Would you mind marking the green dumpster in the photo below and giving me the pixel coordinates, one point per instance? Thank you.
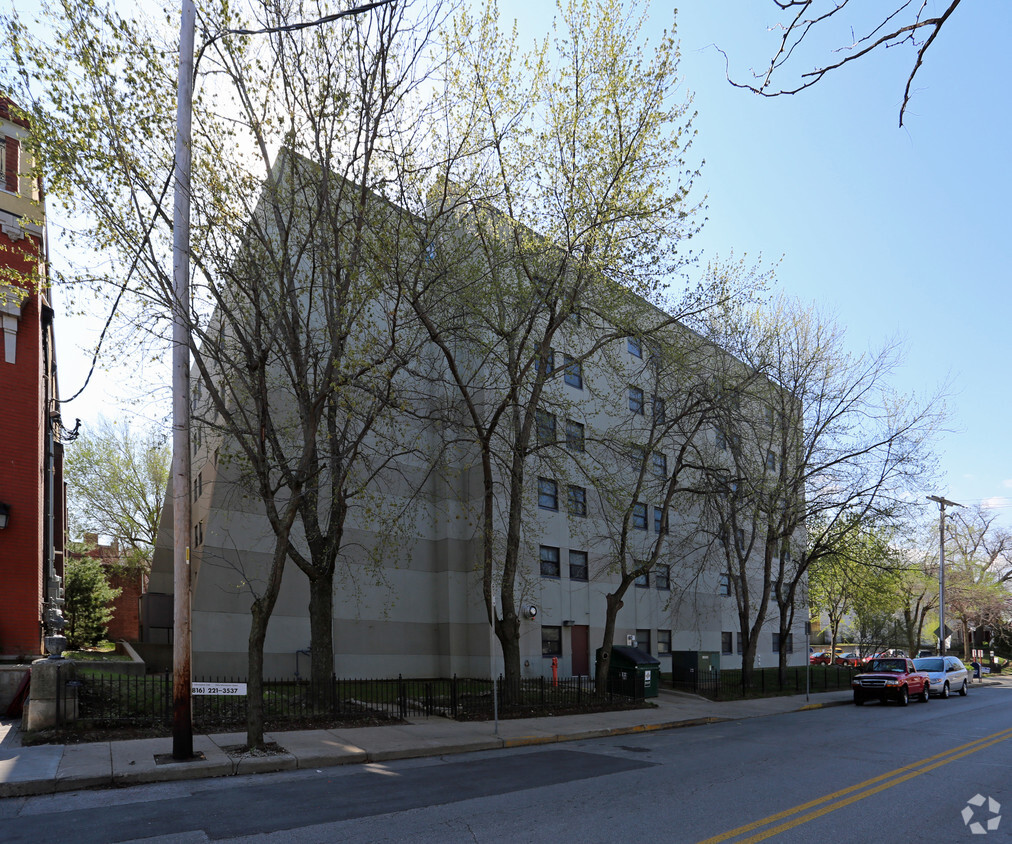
(632, 672)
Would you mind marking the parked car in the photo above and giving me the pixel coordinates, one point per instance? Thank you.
(891, 678)
(851, 659)
(947, 674)
(821, 658)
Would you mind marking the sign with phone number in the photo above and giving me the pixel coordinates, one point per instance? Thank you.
(218, 688)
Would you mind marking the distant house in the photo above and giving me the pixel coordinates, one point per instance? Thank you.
(32, 501)
(131, 580)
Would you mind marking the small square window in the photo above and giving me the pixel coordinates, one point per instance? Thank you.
(771, 461)
(643, 581)
(724, 588)
(785, 554)
(639, 515)
(739, 539)
(635, 346)
(549, 561)
(660, 526)
(726, 642)
(663, 642)
(637, 454)
(636, 400)
(658, 405)
(574, 372)
(578, 565)
(546, 362)
(659, 464)
(198, 534)
(545, 423)
(548, 494)
(768, 412)
(577, 501)
(662, 576)
(551, 641)
(574, 435)
(721, 440)
(741, 643)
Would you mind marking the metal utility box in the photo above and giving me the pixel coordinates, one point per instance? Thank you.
(632, 672)
(694, 666)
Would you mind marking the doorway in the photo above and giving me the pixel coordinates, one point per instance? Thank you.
(581, 650)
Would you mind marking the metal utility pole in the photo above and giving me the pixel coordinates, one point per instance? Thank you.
(942, 504)
(182, 720)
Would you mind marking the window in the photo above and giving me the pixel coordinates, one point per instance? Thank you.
(790, 643)
(643, 580)
(11, 165)
(198, 534)
(548, 494)
(574, 372)
(635, 346)
(639, 516)
(198, 486)
(785, 554)
(739, 539)
(636, 400)
(741, 643)
(577, 501)
(637, 454)
(546, 362)
(551, 641)
(578, 565)
(769, 416)
(574, 435)
(662, 577)
(659, 464)
(663, 642)
(771, 461)
(545, 424)
(549, 561)
(726, 641)
(721, 440)
(658, 405)
(659, 523)
(725, 585)
(643, 640)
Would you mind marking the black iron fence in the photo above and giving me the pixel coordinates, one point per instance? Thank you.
(220, 703)
(730, 684)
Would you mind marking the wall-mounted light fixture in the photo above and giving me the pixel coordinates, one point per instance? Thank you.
(568, 622)
(5, 514)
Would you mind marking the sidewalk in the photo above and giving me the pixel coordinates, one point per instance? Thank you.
(47, 769)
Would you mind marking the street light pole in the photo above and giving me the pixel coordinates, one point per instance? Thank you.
(942, 504)
(182, 721)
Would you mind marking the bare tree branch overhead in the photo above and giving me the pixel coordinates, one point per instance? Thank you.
(893, 25)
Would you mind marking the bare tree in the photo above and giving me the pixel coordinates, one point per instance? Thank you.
(819, 448)
(299, 139)
(901, 23)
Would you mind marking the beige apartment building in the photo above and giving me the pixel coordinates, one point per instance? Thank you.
(408, 596)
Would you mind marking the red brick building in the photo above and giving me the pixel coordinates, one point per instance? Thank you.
(32, 501)
(132, 581)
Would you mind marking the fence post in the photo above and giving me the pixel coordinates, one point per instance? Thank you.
(453, 695)
(402, 696)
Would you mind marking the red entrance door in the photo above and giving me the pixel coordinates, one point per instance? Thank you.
(581, 650)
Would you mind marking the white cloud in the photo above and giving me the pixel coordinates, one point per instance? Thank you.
(996, 502)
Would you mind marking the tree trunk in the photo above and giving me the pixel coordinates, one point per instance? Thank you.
(508, 632)
(614, 604)
(259, 617)
(321, 627)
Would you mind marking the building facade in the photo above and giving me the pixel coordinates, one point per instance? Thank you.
(32, 500)
(408, 594)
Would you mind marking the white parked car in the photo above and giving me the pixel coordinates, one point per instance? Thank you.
(947, 673)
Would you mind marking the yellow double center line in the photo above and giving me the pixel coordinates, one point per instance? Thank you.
(838, 799)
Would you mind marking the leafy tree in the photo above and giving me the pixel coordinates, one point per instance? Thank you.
(865, 28)
(87, 596)
(567, 186)
(978, 570)
(116, 485)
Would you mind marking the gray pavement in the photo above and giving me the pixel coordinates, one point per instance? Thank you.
(47, 769)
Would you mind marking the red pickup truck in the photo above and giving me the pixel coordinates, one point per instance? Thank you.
(890, 678)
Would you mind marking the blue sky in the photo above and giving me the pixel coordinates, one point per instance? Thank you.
(899, 233)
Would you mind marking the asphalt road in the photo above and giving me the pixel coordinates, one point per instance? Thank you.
(848, 774)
